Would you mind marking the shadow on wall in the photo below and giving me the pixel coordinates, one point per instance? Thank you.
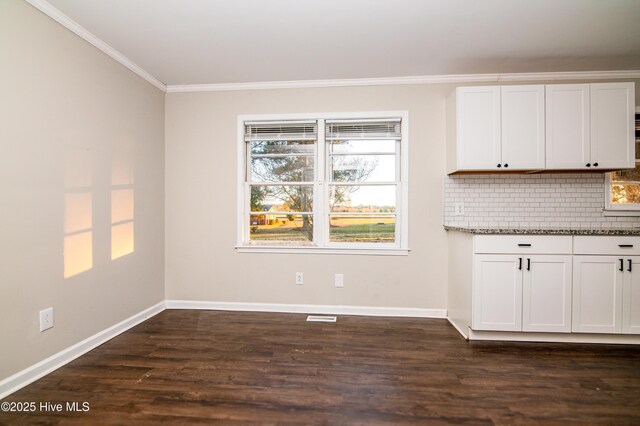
(79, 208)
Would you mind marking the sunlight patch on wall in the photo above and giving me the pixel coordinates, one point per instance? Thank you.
(121, 240)
(78, 253)
(122, 204)
(78, 211)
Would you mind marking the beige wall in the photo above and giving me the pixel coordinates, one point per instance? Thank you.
(200, 201)
(201, 164)
(72, 123)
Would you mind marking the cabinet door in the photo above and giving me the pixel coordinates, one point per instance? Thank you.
(612, 125)
(568, 142)
(631, 296)
(497, 293)
(546, 293)
(597, 294)
(478, 113)
(523, 136)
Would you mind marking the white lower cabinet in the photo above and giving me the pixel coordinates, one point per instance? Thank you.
(631, 296)
(534, 287)
(522, 293)
(546, 294)
(497, 293)
(597, 294)
(606, 289)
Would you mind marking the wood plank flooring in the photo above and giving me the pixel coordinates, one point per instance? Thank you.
(199, 367)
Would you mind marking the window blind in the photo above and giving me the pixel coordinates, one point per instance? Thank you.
(363, 129)
(280, 131)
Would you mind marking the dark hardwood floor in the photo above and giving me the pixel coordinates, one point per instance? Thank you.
(234, 367)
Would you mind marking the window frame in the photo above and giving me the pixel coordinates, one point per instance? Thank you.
(321, 243)
(611, 209)
(619, 208)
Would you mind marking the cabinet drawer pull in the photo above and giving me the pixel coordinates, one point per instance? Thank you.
(524, 245)
(621, 265)
(625, 245)
(629, 268)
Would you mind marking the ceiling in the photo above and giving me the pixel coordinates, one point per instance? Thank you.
(235, 41)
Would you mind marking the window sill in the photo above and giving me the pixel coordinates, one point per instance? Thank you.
(324, 250)
(621, 213)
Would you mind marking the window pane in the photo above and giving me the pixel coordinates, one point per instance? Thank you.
(282, 147)
(351, 198)
(355, 146)
(362, 229)
(364, 168)
(626, 175)
(294, 198)
(281, 228)
(282, 169)
(625, 194)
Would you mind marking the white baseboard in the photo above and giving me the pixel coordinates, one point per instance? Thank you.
(459, 328)
(308, 309)
(615, 339)
(46, 366)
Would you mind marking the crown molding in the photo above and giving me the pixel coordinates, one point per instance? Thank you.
(55, 14)
(425, 79)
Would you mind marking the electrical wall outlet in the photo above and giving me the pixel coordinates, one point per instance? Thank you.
(46, 319)
(299, 278)
(458, 208)
(339, 280)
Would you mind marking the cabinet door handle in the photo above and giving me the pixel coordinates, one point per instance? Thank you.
(524, 245)
(625, 245)
(621, 265)
(629, 268)
(499, 165)
(520, 263)
(528, 264)
(595, 164)
(506, 165)
(588, 164)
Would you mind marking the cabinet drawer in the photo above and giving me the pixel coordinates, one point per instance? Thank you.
(534, 244)
(606, 245)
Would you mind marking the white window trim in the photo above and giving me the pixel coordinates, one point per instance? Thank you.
(402, 219)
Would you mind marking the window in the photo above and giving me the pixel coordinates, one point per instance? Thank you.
(623, 186)
(324, 183)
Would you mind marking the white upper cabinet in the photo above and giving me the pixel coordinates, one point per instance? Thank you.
(567, 126)
(523, 135)
(477, 127)
(612, 125)
(538, 127)
(496, 128)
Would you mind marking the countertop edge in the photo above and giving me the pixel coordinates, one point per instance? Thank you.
(524, 231)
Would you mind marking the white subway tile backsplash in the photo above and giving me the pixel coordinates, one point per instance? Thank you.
(531, 201)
